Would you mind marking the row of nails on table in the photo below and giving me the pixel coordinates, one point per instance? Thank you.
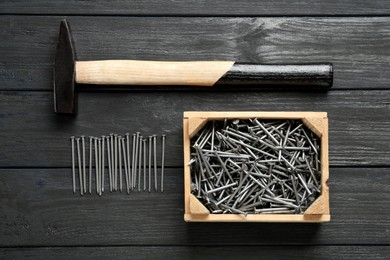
(255, 166)
(114, 151)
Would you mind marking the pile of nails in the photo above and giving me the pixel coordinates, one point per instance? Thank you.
(114, 152)
(255, 166)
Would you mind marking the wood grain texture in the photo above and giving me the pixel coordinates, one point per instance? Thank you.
(201, 252)
(32, 135)
(136, 72)
(357, 46)
(314, 124)
(318, 206)
(205, 7)
(196, 207)
(38, 208)
(194, 125)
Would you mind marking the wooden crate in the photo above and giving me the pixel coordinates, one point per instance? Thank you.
(317, 122)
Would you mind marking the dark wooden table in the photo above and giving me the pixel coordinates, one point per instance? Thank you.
(41, 218)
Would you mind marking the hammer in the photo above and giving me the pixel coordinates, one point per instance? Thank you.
(68, 71)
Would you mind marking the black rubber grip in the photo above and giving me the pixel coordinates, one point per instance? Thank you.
(318, 76)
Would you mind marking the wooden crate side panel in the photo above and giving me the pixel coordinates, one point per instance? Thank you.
(187, 174)
(256, 218)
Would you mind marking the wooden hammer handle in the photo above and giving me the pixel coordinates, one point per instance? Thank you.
(135, 72)
(200, 73)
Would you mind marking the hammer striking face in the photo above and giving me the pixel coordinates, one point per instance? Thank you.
(68, 71)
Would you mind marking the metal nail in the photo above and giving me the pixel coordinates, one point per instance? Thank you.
(112, 161)
(103, 160)
(115, 162)
(304, 184)
(234, 209)
(222, 188)
(136, 159)
(96, 165)
(155, 160)
(311, 172)
(128, 157)
(73, 165)
(100, 167)
(266, 131)
(84, 167)
(125, 162)
(212, 136)
(133, 160)
(120, 163)
(150, 162)
(140, 162)
(90, 164)
(163, 137)
(310, 142)
(144, 145)
(80, 164)
(109, 159)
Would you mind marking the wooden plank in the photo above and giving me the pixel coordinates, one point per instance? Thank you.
(205, 252)
(202, 8)
(358, 46)
(38, 208)
(32, 135)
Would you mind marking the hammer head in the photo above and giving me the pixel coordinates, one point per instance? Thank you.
(64, 72)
